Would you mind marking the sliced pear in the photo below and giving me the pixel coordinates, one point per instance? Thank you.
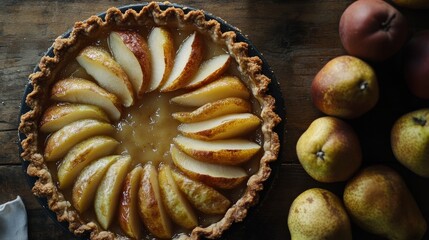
(162, 54)
(86, 184)
(204, 198)
(229, 151)
(214, 109)
(78, 90)
(151, 207)
(81, 155)
(215, 175)
(223, 88)
(107, 72)
(177, 206)
(59, 115)
(130, 50)
(61, 141)
(129, 219)
(227, 126)
(109, 190)
(209, 71)
(186, 63)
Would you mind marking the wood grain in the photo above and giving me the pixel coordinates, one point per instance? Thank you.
(296, 37)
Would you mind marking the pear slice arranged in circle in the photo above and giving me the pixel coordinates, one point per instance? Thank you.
(78, 90)
(151, 207)
(215, 175)
(222, 88)
(109, 190)
(186, 63)
(204, 198)
(214, 109)
(59, 115)
(81, 155)
(222, 127)
(162, 54)
(228, 151)
(129, 219)
(130, 50)
(61, 141)
(86, 184)
(209, 71)
(177, 206)
(107, 72)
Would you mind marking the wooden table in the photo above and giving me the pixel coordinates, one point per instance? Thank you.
(296, 37)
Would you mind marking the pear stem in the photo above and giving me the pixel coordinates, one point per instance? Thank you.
(419, 121)
(320, 154)
(387, 24)
(363, 85)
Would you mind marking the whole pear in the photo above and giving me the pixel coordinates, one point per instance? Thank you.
(378, 200)
(345, 87)
(410, 141)
(329, 150)
(318, 214)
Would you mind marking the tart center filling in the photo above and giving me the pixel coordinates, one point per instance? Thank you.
(147, 129)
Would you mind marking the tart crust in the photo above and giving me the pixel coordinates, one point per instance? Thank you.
(250, 67)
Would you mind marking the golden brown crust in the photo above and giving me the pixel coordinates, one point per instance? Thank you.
(91, 29)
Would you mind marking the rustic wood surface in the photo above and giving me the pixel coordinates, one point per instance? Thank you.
(296, 37)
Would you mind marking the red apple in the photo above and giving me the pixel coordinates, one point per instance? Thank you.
(372, 30)
(416, 64)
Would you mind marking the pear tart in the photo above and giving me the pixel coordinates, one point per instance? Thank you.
(149, 124)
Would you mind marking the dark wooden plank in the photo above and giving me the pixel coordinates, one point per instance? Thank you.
(9, 147)
(9, 113)
(41, 226)
(13, 183)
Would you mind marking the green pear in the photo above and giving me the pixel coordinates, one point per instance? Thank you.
(378, 200)
(318, 214)
(410, 141)
(329, 150)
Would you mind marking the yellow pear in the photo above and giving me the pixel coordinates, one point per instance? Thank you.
(151, 208)
(175, 203)
(204, 198)
(61, 141)
(81, 155)
(78, 90)
(224, 87)
(318, 214)
(86, 184)
(215, 175)
(223, 127)
(109, 190)
(345, 87)
(162, 52)
(107, 72)
(410, 141)
(129, 219)
(228, 151)
(329, 150)
(186, 63)
(378, 200)
(214, 109)
(59, 115)
(209, 71)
